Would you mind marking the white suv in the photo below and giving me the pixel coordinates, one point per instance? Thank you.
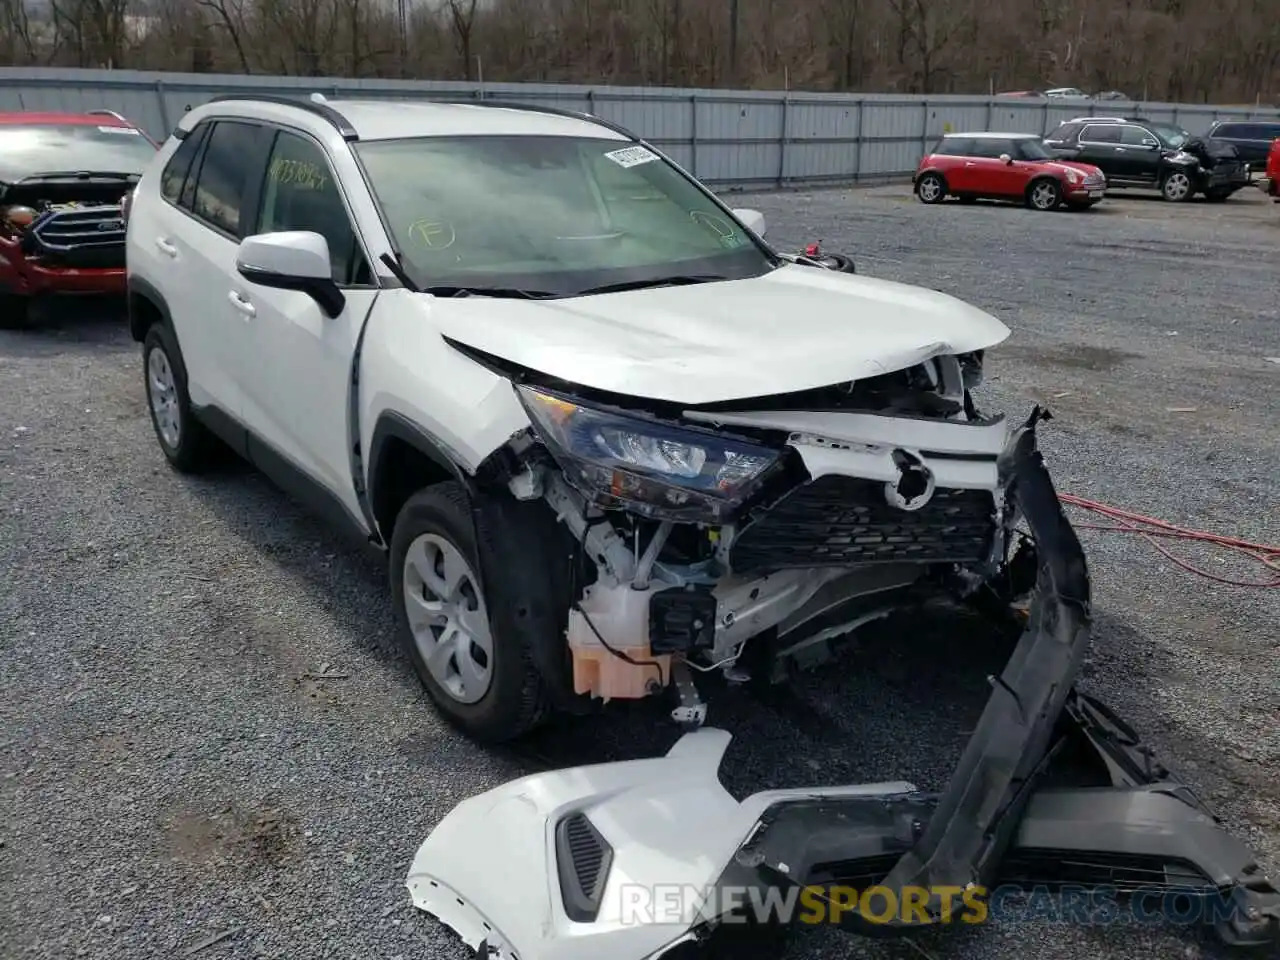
(603, 432)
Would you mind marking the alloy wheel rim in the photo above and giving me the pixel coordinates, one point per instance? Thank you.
(1043, 196)
(448, 618)
(929, 189)
(1176, 186)
(163, 392)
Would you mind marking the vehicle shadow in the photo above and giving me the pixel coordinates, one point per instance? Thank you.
(55, 323)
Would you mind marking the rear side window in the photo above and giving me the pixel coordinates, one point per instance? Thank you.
(226, 172)
(1100, 133)
(179, 165)
(954, 147)
(1231, 130)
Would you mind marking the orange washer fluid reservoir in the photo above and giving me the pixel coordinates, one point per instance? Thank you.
(621, 615)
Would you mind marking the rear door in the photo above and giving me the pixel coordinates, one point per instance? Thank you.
(1100, 146)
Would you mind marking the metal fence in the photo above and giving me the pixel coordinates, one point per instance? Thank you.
(743, 139)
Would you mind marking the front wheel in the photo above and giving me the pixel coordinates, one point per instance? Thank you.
(931, 188)
(471, 614)
(1044, 195)
(1177, 187)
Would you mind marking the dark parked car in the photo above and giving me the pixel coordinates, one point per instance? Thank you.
(1136, 152)
(1251, 138)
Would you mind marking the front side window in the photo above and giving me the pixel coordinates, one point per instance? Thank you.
(1135, 136)
(40, 148)
(556, 214)
(1031, 150)
(991, 148)
(224, 175)
(301, 194)
(1170, 137)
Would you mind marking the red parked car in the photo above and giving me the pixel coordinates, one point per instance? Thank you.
(1006, 166)
(1271, 179)
(64, 183)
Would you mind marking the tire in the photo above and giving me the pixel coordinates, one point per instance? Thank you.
(1044, 195)
(1176, 187)
(15, 311)
(184, 440)
(504, 618)
(931, 188)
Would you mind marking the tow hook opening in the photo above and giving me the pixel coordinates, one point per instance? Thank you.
(915, 483)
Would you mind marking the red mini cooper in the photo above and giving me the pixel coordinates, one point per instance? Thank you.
(1006, 166)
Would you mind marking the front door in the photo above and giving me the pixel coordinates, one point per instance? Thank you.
(298, 360)
(1139, 155)
(1100, 146)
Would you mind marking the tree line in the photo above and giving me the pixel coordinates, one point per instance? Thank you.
(1175, 50)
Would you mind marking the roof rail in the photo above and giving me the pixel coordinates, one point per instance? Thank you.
(551, 111)
(320, 109)
(110, 113)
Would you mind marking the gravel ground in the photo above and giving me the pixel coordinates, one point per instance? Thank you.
(172, 770)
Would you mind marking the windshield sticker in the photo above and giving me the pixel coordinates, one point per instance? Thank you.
(632, 156)
(127, 131)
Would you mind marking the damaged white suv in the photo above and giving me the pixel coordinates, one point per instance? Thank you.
(606, 435)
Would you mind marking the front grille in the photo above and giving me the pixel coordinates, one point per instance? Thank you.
(840, 521)
(85, 237)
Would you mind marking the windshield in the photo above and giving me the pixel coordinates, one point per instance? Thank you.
(1033, 150)
(30, 150)
(1169, 136)
(558, 215)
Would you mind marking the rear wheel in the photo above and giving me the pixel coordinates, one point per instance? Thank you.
(931, 188)
(1176, 187)
(1044, 195)
(186, 443)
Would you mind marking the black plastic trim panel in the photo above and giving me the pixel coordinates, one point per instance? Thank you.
(323, 110)
(583, 859)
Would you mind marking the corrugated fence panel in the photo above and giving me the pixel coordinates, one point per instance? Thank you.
(728, 138)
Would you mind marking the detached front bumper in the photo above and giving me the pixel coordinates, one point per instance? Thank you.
(632, 860)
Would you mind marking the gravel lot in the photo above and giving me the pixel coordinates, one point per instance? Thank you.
(173, 771)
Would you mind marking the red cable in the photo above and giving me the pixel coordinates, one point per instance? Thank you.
(1150, 528)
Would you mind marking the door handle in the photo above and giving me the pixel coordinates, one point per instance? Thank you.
(1119, 149)
(241, 304)
(165, 247)
(970, 163)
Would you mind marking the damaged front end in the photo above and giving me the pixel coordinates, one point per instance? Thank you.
(744, 537)
(644, 859)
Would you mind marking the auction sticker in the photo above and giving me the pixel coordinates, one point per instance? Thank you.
(632, 156)
(127, 131)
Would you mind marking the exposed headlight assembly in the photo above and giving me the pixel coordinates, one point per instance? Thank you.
(651, 468)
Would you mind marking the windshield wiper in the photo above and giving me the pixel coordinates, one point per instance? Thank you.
(509, 293)
(674, 281)
(82, 175)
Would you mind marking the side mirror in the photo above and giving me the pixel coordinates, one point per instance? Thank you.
(1005, 158)
(753, 220)
(292, 260)
(1150, 144)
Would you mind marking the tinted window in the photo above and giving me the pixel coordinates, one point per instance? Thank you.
(28, 149)
(1231, 130)
(1065, 132)
(1135, 136)
(179, 165)
(225, 174)
(300, 194)
(988, 147)
(954, 147)
(1101, 134)
(552, 213)
(1031, 150)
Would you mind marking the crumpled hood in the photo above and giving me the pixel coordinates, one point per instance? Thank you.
(796, 328)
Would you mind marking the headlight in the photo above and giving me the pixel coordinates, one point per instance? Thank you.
(1073, 176)
(656, 470)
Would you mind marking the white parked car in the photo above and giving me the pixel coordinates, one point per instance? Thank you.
(604, 433)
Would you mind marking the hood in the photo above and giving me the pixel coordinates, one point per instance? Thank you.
(795, 328)
(1086, 168)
